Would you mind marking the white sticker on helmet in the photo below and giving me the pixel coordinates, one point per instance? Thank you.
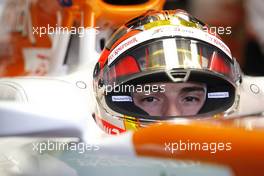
(218, 95)
(122, 98)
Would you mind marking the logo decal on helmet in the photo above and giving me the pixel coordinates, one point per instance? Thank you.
(167, 31)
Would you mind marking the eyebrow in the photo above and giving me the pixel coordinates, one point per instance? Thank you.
(186, 89)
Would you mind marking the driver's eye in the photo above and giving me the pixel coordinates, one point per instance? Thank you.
(149, 99)
(191, 99)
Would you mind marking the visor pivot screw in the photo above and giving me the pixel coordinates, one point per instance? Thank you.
(100, 83)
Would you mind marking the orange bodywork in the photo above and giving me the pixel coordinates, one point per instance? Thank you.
(245, 157)
(13, 64)
(83, 12)
(117, 14)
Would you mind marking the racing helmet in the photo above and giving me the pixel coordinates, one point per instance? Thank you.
(167, 47)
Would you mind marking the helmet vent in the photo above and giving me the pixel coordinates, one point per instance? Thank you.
(178, 75)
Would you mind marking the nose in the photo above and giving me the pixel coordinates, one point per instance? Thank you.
(172, 110)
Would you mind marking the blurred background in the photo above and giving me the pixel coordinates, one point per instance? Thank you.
(244, 18)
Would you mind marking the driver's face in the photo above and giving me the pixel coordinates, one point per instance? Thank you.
(178, 99)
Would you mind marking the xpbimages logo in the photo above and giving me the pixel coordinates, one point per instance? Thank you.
(44, 30)
(79, 147)
(147, 89)
(212, 147)
(218, 30)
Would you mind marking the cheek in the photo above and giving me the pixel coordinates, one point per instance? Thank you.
(153, 109)
(192, 109)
